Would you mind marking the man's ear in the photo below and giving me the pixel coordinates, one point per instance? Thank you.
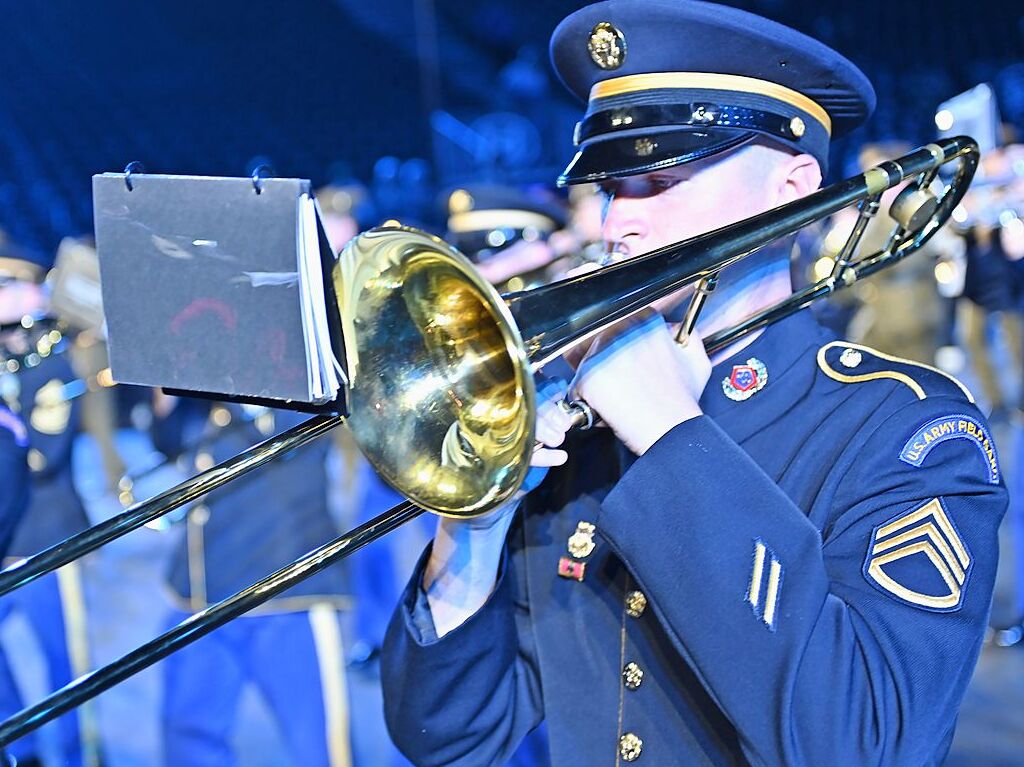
(796, 177)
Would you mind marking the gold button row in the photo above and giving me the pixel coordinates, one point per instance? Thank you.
(630, 747)
(632, 676)
(636, 603)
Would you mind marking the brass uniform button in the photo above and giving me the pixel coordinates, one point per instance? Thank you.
(630, 747)
(850, 358)
(636, 603)
(632, 676)
(36, 460)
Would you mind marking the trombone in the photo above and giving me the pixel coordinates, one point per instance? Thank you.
(441, 374)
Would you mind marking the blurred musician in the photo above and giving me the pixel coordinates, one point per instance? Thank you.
(34, 374)
(16, 483)
(290, 649)
(506, 231)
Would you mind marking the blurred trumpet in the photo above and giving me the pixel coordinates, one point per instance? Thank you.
(997, 197)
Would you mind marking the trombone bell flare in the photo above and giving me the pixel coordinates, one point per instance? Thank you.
(441, 394)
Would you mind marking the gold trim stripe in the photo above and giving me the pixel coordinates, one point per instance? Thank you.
(932, 508)
(770, 600)
(888, 374)
(930, 532)
(618, 86)
(26, 271)
(925, 547)
(323, 619)
(196, 545)
(76, 636)
(482, 220)
(756, 576)
(843, 378)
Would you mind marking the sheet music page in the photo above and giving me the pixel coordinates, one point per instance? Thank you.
(208, 287)
(308, 298)
(328, 367)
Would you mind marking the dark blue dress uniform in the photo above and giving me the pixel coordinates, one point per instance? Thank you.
(14, 478)
(291, 647)
(14, 475)
(54, 604)
(800, 578)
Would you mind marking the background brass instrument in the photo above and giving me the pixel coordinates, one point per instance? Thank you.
(442, 397)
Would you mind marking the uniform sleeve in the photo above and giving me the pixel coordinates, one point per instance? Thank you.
(855, 649)
(171, 433)
(469, 698)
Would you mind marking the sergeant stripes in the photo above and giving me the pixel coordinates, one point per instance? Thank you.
(928, 531)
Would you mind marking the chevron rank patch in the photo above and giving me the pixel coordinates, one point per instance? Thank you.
(920, 559)
(940, 430)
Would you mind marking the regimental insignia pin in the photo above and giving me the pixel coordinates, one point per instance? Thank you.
(920, 559)
(745, 380)
(570, 568)
(581, 543)
(607, 46)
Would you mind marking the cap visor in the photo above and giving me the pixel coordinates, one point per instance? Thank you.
(630, 155)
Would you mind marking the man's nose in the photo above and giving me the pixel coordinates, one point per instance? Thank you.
(623, 220)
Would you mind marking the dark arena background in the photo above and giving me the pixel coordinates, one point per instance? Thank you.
(394, 104)
(402, 95)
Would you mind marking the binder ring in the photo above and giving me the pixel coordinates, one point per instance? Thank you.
(259, 173)
(133, 167)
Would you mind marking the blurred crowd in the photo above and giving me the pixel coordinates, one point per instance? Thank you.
(310, 656)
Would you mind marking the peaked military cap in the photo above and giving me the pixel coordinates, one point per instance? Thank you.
(18, 263)
(671, 81)
(486, 218)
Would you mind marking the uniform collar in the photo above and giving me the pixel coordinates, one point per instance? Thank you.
(783, 349)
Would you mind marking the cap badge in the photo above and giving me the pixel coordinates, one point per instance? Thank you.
(607, 46)
(645, 147)
(581, 543)
(745, 380)
(703, 114)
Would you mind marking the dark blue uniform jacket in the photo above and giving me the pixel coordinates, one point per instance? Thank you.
(14, 477)
(801, 578)
(257, 524)
(56, 511)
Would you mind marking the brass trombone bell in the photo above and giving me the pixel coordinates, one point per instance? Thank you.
(441, 390)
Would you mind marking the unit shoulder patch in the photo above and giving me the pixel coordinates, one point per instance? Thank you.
(920, 559)
(948, 427)
(852, 363)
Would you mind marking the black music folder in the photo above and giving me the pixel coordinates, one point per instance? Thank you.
(218, 285)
